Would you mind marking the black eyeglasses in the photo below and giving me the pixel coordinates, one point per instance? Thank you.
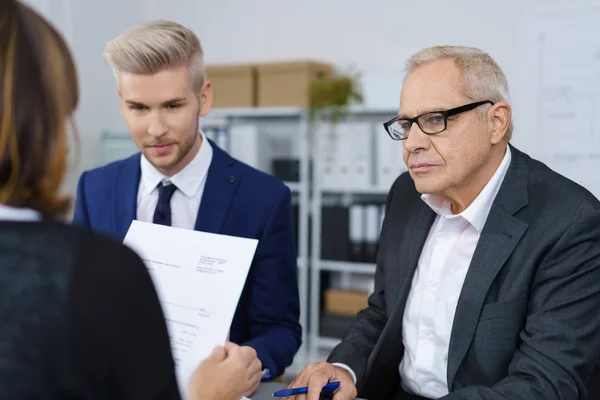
(430, 123)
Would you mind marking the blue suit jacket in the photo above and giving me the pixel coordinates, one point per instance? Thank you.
(239, 201)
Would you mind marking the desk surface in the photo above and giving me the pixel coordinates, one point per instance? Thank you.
(266, 389)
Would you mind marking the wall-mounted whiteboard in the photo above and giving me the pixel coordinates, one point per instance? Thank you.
(563, 64)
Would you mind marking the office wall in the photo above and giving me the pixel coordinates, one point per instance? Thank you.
(373, 37)
(87, 26)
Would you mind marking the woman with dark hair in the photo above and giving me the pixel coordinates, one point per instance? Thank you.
(79, 315)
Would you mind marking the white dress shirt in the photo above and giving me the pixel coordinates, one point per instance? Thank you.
(436, 286)
(189, 181)
(9, 213)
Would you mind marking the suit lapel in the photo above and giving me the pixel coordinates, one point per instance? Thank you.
(221, 182)
(125, 195)
(496, 243)
(501, 234)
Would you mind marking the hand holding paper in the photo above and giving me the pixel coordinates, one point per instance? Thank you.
(253, 367)
(199, 278)
(223, 375)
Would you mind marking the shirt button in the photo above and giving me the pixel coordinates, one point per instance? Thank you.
(432, 284)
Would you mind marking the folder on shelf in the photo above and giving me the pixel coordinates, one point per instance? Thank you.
(357, 155)
(218, 134)
(389, 163)
(328, 149)
(381, 216)
(244, 144)
(356, 233)
(334, 240)
(372, 225)
(360, 282)
(286, 169)
(345, 155)
(223, 139)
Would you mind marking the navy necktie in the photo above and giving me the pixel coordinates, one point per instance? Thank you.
(162, 213)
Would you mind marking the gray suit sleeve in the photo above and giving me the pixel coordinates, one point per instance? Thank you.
(560, 343)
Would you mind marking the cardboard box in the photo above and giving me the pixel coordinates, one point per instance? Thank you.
(233, 85)
(286, 84)
(345, 302)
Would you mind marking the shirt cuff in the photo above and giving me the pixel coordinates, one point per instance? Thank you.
(347, 368)
(266, 375)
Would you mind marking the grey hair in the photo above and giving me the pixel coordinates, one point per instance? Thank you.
(152, 46)
(483, 77)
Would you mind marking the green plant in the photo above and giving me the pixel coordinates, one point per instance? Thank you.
(330, 96)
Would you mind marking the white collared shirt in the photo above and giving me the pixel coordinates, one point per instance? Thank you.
(9, 213)
(190, 182)
(436, 286)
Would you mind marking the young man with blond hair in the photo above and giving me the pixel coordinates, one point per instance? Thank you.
(487, 280)
(182, 179)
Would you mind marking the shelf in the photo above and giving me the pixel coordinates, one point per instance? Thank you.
(369, 110)
(327, 342)
(274, 112)
(349, 190)
(294, 186)
(255, 112)
(347, 266)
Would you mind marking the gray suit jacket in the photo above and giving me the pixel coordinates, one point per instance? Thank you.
(527, 324)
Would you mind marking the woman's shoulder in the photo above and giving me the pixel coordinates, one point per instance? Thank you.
(63, 244)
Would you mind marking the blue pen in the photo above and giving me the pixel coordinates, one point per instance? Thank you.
(329, 388)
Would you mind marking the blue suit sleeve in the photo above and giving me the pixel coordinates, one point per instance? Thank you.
(80, 216)
(273, 321)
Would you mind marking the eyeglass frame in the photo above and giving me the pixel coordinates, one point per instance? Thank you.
(445, 114)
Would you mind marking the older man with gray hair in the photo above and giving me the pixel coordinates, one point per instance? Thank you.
(488, 272)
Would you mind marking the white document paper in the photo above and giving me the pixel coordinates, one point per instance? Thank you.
(199, 278)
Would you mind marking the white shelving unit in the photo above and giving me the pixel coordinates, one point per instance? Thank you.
(310, 195)
(317, 343)
(228, 114)
(347, 266)
(356, 191)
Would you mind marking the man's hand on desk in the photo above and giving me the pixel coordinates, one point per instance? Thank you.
(227, 374)
(315, 376)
